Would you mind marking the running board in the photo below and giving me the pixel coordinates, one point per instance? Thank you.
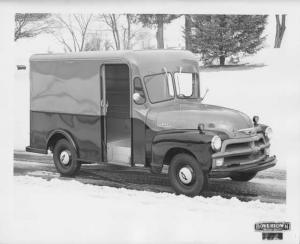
(118, 154)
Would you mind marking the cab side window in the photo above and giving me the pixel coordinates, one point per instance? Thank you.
(138, 91)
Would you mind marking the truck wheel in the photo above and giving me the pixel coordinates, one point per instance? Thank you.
(186, 175)
(65, 158)
(243, 176)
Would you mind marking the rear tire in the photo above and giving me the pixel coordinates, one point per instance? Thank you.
(65, 158)
(243, 176)
(186, 175)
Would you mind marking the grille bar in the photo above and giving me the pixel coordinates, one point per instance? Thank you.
(245, 151)
(240, 151)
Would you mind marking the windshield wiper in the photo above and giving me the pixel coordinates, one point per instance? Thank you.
(183, 96)
(206, 91)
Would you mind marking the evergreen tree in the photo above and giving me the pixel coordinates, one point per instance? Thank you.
(221, 36)
(158, 21)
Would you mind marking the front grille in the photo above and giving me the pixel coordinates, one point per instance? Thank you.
(243, 150)
(260, 142)
(237, 146)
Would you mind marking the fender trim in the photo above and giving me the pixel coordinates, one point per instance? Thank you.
(255, 167)
(66, 134)
(36, 150)
(190, 141)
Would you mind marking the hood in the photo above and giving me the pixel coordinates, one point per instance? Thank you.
(189, 115)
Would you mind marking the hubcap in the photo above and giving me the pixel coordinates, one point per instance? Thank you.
(65, 157)
(186, 175)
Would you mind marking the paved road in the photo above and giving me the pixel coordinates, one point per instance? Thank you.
(267, 186)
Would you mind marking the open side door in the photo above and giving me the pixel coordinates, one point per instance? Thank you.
(115, 113)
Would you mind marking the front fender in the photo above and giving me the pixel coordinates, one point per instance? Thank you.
(191, 141)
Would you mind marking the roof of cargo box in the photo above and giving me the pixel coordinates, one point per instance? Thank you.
(144, 61)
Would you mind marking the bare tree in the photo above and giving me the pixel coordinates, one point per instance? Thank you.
(108, 45)
(94, 43)
(121, 27)
(76, 27)
(112, 21)
(128, 32)
(280, 28)
(129, 22)
(144, 37)
(30, 25)
(188, 31)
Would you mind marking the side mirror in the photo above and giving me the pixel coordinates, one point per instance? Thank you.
(138, 99)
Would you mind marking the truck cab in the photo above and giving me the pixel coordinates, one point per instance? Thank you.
(140, 108)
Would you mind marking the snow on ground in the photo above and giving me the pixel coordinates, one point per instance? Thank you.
(59, 211)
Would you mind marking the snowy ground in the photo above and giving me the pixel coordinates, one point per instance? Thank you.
(50, 209)
(268, 185)
(45, 211)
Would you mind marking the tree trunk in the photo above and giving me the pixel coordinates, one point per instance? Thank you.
(112, 23)
(128, 31)
(118, 46)
(280, 28)
(222, 60)
(187, 32)
(160, 32)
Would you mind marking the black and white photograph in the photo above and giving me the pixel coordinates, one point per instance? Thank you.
(150, 122)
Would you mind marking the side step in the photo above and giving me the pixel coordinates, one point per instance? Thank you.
(119, 152)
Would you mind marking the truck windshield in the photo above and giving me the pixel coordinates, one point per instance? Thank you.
(159, 87)
(187, 85)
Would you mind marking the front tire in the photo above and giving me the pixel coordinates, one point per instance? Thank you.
(242, 176)
(65, 158)
(186, 175)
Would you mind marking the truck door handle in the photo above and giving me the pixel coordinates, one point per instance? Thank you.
(106, 106)
(102, 104)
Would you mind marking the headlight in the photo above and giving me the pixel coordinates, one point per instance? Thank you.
(269, 132)
(216, 143)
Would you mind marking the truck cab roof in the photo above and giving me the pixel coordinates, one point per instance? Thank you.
(143, 62)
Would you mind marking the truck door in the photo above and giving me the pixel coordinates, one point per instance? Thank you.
(115, 110)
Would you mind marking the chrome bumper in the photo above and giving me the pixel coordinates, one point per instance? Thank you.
(223, 172)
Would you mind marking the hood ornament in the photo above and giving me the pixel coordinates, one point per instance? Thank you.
(164, 124)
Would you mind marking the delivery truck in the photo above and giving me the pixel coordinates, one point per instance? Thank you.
(140, 108)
